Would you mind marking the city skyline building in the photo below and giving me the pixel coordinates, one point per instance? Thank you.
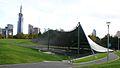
(94, 32)
(20, 21)
(30, 29)
(4, 31)
(36, 30)
(117, 34)
(7, 31)
(10, 29)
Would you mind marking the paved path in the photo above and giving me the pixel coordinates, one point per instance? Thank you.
(58, 64)
(112, 57)
(39, 65)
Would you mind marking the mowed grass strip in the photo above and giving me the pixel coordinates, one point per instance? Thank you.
(90, 58)
(10, 53)
(114, 64)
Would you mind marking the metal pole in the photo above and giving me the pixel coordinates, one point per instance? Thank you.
(108, 23)
(48, 39)
(78, 36)
(108, 45)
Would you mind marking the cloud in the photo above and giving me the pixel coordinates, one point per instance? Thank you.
(65, 14)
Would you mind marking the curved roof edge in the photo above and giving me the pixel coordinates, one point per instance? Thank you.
(96, 47)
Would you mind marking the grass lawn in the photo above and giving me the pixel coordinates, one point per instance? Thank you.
(26, 42)
(114, 64)
(90, 58)
(11, 53)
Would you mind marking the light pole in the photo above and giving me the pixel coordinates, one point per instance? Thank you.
(78, 37)
(108, 23)
(48, 38)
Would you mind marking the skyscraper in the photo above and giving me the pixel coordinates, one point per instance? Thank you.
(20, 21)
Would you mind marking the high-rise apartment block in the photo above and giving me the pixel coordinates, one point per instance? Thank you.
(33, 30)
(7, 31)
(30, 29)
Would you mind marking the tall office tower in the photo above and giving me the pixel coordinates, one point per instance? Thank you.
(30, 29)
(20, 21)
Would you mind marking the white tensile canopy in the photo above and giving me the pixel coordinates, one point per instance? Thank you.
(94, 45)
(97, 47)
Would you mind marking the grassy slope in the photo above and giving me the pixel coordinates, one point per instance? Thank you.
(24, 42)
(12, 54)
(90, 58)
(114, 64)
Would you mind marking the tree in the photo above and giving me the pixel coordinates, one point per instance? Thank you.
(0, 36)
(30, 36)
(39, 33)
(19, 36)
(26, 36)
(113, 41)
(93, 37)
(10, 36)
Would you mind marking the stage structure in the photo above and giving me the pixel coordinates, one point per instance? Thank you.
(70, 40)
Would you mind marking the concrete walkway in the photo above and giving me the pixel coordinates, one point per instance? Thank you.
(112, 57)
(58, 64)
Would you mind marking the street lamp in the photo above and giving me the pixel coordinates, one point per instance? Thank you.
(108, 23)
(48, 39)
(78, 37)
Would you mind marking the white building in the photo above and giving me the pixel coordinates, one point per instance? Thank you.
(33, 30)
(30, 29)
(10, 29)
(36, 30)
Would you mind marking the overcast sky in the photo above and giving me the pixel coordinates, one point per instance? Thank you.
(64, 14)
